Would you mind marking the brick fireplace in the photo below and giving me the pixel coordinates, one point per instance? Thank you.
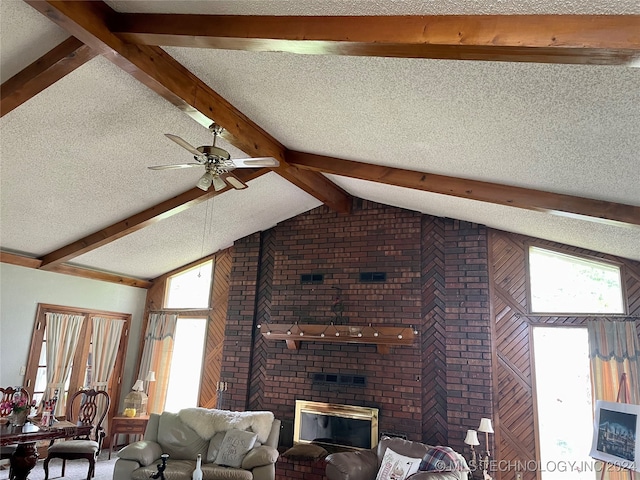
(435, 281)
(384, 266)
(334, 425)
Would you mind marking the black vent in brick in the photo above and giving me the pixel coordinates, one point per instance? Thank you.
(311, 278)
(359, 380)
(373, 277)
(338, 379)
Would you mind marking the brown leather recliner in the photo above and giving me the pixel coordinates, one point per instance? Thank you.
(364, 464)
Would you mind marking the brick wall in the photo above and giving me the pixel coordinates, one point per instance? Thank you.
(239, 332)
(436, 282)
(435, 422)
(373, 238)
(468, 325)
(303, 469)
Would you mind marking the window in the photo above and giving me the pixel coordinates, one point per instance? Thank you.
(190, 288)
(186, 364)
(177, 360)
(561, 283)
(563, 397)
(41, 373)
(80, 374)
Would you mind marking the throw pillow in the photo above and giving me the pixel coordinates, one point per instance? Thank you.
(259, 456)
(235, 446)
(306, 451)
(443, 459)
(214, 447)
(397, 467)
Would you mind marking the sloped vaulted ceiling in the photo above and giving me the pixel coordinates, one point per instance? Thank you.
(502, 115)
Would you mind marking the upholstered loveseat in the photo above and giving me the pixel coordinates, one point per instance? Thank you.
(444, 463)
(233, 446)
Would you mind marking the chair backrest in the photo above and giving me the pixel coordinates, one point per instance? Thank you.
(7, 395)
(90, 407)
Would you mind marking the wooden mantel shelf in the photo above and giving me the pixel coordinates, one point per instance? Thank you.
(382, 337)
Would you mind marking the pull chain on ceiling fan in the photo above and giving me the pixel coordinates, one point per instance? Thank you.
(217, 163)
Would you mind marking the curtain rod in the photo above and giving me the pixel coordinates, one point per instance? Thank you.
(179, 310)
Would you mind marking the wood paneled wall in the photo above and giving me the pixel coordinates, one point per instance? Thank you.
(512, 347)
(217, 323)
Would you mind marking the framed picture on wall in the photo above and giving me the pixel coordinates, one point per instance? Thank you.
(616, 434)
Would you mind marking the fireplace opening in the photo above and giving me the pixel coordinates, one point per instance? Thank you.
(347, 426)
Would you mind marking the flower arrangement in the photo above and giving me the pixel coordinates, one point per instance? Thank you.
(18, 404)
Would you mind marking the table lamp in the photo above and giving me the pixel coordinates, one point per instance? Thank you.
(472, 440)
(151, 377)
(486, 428)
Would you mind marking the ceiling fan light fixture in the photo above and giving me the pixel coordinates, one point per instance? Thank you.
(217, 163)
(205, 181)
(218, 183)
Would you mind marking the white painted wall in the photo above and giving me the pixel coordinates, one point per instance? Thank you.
(21, 289)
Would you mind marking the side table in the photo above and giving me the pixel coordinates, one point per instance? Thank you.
(126, 426)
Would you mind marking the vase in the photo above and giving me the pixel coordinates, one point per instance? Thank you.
(18, 419)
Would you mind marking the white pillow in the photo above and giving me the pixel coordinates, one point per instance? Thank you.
(235, 446)
(397, 467)
(214, 447)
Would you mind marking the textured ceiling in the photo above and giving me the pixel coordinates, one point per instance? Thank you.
(568, 129)
(376, 7)
(74, 158)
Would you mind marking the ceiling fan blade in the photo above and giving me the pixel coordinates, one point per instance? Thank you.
(234, 181)
(184, 144)
(255, 162)
(173, 167)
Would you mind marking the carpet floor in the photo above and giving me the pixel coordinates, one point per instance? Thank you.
(75, 469)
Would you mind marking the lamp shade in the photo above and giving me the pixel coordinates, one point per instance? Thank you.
(485, 425)
(218, 183)
(151, 376)
(138, 387)
(471, 438)
(205, 181)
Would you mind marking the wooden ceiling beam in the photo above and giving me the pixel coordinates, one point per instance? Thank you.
(42, 73)
(140, 220)
(570, 39)
(20, 260)
(152, 66)
(599, 211)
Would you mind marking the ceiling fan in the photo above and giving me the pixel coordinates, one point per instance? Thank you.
(217, 163)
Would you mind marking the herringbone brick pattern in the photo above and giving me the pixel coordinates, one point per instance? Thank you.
(434, 355)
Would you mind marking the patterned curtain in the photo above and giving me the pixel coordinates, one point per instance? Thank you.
(156, 357)
(62, 332)
(105, 340)
(614, 349)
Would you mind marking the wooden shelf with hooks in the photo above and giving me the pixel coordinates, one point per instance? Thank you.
(382, 337)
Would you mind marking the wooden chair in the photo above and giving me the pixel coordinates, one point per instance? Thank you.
(6, 395)
(91, 407)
